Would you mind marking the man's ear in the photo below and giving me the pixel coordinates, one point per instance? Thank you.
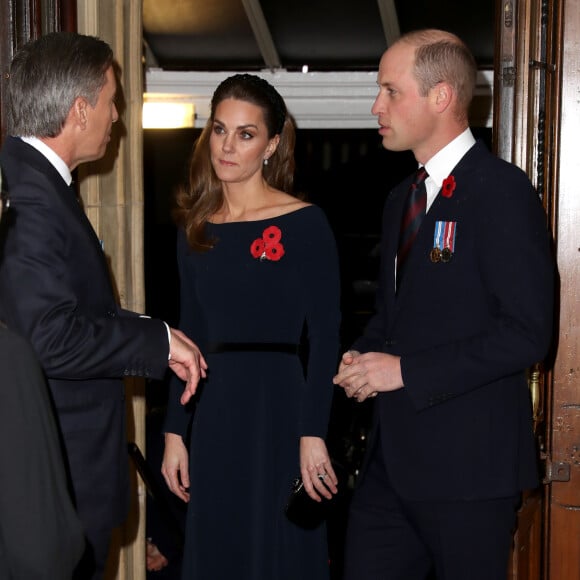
(443, 95)
(79, 112)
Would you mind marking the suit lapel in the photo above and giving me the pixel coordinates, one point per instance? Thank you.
(442, 209)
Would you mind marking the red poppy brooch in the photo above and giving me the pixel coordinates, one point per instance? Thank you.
(448, 186)
(268, 247)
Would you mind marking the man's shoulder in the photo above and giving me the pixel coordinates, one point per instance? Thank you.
(489, 167)
(21, 162)
(14, 149)
(26, 173)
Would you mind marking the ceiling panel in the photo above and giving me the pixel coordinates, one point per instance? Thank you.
(326, 35)
(200, 35)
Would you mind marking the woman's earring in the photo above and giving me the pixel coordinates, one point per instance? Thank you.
(265, 161)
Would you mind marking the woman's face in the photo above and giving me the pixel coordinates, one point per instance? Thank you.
(239, 141)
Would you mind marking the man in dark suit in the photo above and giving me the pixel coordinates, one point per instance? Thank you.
(55, 287)
(464, 307)
(41, 537)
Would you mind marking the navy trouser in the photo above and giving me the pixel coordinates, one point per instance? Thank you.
(390, 538)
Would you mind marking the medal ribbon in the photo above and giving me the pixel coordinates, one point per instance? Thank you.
(449, 236)
(444, 235)
(438, 235)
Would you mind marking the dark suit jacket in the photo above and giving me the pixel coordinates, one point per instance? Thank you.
(56, 291)
(40, 534)
(466, 331)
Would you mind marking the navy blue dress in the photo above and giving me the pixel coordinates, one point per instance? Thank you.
(265, 281)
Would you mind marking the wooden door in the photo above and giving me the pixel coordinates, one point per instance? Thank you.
(537, 126)
(522, 113)
(562, 549)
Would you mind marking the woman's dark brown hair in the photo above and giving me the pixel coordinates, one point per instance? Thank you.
(202, 197)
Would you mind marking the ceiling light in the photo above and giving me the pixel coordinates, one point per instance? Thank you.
(159, 113)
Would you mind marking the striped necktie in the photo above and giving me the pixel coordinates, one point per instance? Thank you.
(413, 214)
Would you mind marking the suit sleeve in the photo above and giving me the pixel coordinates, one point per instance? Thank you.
(56, 291)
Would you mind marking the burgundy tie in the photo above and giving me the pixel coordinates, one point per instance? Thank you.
(413, 213)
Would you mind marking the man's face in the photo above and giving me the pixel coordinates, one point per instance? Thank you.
(99, 121)
(405, 116)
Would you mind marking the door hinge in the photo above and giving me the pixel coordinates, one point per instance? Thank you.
(508, 76)
(539, 64)
(556, 471)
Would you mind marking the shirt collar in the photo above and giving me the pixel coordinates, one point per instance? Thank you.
(443, 162)
(52, 157)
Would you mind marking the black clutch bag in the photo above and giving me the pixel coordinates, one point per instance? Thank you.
(302, 510)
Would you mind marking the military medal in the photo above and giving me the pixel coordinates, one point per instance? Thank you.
(435, 255)
(443, 242)
(446, 255)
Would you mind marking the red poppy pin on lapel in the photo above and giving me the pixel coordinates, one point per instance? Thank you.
(448, 186)
(268, 247)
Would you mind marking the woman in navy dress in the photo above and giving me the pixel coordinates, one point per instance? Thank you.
(258, 271)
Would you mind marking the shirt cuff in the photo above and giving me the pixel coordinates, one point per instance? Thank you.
(168, 338)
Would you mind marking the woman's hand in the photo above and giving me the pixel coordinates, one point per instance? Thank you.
(316, 469)
(175, 466)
